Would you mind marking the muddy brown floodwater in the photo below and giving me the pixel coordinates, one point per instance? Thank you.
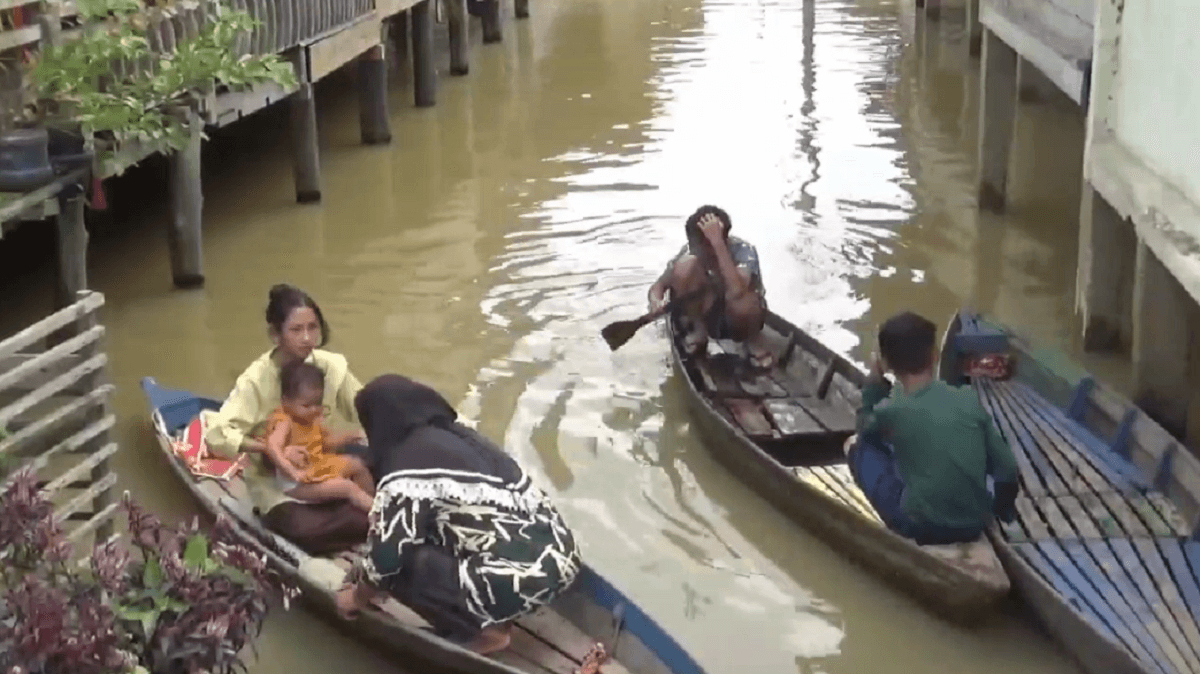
(485, 247)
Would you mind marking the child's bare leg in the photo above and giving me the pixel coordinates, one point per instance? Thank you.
(339, 488)
(356, 471)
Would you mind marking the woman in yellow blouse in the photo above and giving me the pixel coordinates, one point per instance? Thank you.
(296, 326)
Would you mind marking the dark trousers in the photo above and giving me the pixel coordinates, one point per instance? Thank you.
(874, 469)
(323, 528)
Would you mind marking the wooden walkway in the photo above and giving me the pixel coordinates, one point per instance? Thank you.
(1097, 533)
(54, 408)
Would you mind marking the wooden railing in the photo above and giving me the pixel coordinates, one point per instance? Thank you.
(55, 411)
(283, 25)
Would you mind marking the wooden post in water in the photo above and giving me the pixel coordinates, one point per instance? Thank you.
(372, 97)
(184, 233)
(306, 156)
(424, 70)
(521, 9)
(974, 28)
(491, 21)
(72, 245)
(997, 114)
(933, 10)
(460, 37)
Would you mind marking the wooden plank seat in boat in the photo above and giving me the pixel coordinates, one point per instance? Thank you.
(782, 431)
(1106, 558)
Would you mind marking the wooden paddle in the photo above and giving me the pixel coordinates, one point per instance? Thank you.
(617, 334)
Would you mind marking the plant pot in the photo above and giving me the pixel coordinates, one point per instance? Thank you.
(66, 150)
(24, 160)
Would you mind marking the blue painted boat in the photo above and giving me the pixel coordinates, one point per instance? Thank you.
(552, 640)
(1104, 547)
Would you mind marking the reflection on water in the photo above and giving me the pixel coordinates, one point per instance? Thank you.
(483, 250)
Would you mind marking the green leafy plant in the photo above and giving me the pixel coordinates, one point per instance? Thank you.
(176, 600)
(108, 80)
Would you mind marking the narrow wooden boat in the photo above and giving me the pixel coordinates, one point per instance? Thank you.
(554, 640)
(1104, 545)
(782, 432)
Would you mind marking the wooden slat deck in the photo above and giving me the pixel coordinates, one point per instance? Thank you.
(1116, 550)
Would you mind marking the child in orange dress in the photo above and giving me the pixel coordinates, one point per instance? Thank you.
(298, 421)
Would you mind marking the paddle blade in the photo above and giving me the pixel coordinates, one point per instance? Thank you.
(616, 334)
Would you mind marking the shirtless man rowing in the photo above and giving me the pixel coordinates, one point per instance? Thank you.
(734, 306)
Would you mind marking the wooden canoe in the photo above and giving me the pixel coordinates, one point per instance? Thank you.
(553, 640)
(782, 432)
(1104, 547)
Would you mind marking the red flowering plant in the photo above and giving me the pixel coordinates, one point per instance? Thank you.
(175, 601)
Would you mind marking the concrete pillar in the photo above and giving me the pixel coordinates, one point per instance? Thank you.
(373, 111)
(933, 10)
(1161, 308)
(997, 114)
(424, 70)
(491, 21)
(460, 37)
(521, 9)
(1103, 285)
(72, 246)
(1032, 85)
(974, 28)
(187, 207)
(306, 156)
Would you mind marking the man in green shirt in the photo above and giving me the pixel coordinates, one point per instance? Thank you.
(925, 451)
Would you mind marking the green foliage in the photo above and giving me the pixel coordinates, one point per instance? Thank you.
(76, 81)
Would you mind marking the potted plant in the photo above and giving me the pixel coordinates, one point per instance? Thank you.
(101, 87)
(174, 601)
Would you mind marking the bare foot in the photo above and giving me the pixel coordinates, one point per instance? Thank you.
(696, 341)
(491, 640)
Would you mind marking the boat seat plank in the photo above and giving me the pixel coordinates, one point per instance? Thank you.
(537, 651)
(1126, 516)
(1116, 590)
(1156, 566)
(1056, 518)
(792, 419)
(836, 416)
(1066, 472)
(761, 385)
(1184, 568)
(746, 413)
(1176, 646)
(811, 478)
(1123, 474)
(1031, 479)
(1069, 457)
(849, 494)
(1031, 518)
(841, 473)
(1097, 564)
(564, 637)
(751, 417)
(1079, 517)
(1096, 613)
(1021, 441)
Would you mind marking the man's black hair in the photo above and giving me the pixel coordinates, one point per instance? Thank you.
(906, 342)
(692, 227)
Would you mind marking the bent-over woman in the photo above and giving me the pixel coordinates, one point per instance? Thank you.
(458, 534)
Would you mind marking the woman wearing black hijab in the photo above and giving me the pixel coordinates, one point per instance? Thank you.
(459, 534)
